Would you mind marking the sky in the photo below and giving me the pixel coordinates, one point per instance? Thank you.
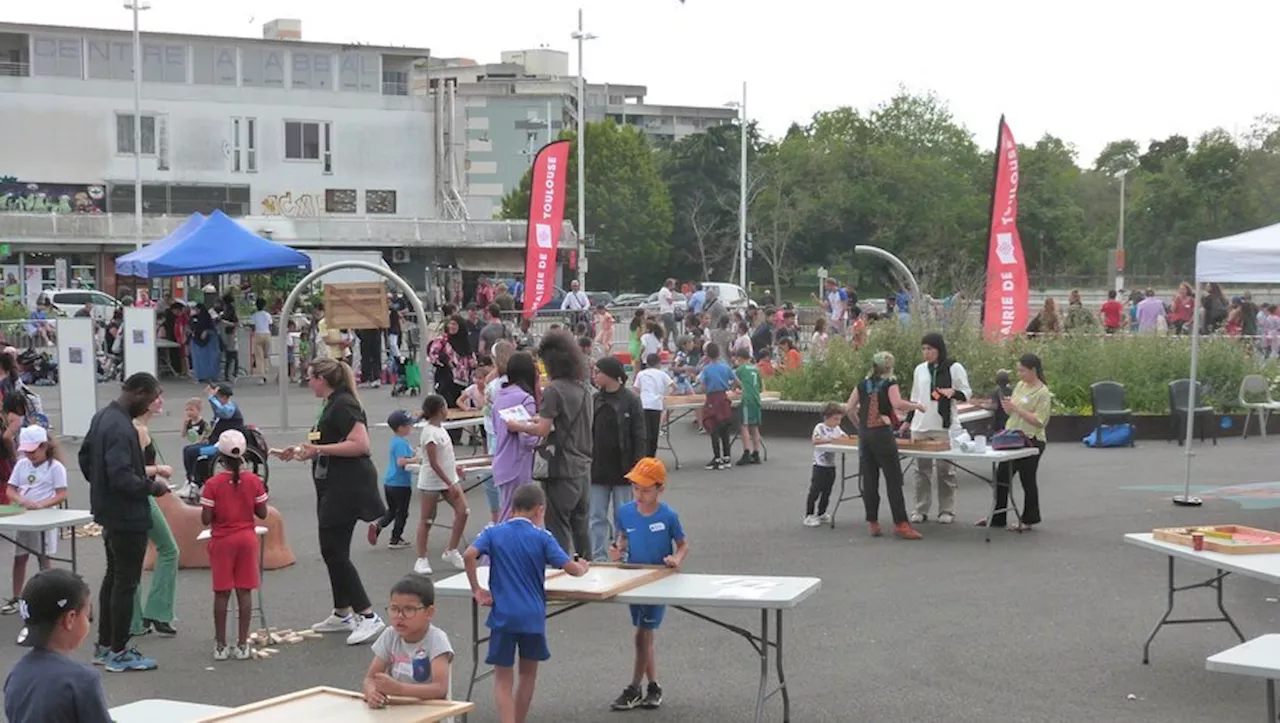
(1087, 71)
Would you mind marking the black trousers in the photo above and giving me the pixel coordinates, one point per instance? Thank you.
(344, 579)
(371, 357)
(398, 499)
(125, 551)
(652, 425)
(720, 440)
(878, 452)
(1026, 469)
(568, 505)
(820, 484)
(230, 363)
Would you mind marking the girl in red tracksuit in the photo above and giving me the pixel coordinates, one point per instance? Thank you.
(229, 502)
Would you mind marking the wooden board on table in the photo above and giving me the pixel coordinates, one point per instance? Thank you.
(331, 705)
(847, 441)
(925, 445)
(602, 581)
(356, 305)
(455, 413)
(681, 399)
(1227, 539)
(469, 462)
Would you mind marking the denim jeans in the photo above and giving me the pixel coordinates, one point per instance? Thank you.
(605, 499)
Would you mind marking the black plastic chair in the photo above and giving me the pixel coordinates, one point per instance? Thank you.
(1200, 412)
(1109, 407)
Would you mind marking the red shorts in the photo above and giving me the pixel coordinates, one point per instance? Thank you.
(233, 560)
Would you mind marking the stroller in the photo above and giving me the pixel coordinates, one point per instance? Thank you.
(408, 376)
(37, 368)
(255, 457)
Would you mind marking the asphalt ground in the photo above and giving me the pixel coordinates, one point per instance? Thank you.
(1043, 626)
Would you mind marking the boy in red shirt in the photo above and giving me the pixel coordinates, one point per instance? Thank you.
(229, 502)
(1112, 313)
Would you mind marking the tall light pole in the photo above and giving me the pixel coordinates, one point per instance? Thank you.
(1120, 236)
(582, 37)
(742, 187)
(137, 6)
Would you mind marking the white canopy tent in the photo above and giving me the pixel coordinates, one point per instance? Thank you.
(1252, 257)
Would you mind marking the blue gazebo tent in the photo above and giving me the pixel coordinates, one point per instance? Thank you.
(212, 245)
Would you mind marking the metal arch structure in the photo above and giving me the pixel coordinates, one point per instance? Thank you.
(283, 339)
(916, 298)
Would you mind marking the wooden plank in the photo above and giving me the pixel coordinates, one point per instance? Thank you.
(331, 705)
(1225, 539)
(456, 413)
(356, 305)
(603, 581)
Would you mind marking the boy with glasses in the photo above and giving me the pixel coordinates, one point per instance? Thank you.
(411, 658)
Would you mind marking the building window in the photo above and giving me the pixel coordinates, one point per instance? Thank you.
(235, 145)
(124, 134)
(244, 145)
(327, 148)
(380, 202)
(340, 200)
(303, 141)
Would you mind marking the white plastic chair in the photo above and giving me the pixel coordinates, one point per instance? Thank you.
(1252, 387)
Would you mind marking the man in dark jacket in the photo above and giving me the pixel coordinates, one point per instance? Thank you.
(618, 441)
(111, 460)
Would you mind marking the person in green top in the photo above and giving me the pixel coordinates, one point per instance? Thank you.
(1028, 408)
(751, 385)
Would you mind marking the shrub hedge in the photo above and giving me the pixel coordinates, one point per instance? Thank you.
(1144, 364)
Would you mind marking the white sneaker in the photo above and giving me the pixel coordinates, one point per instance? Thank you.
(811, 521)
(453, 557)
(916, 518)
(221, 653)
(241, 652)
(335, 624)
(946, 518)
(366, 629)
(422, 566)
(824, 518)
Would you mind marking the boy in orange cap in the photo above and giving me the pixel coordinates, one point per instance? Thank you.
(649, 533)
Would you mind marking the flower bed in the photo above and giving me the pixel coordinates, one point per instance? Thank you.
(1143, 364)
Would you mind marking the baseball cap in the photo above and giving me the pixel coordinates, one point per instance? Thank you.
(30, 438)
(398, 419)
(612, 368)
(231, 443)
(46, 598)
(225, 389)
(649, 471)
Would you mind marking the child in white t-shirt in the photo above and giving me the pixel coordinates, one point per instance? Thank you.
(651, 341)
(438, 475)
(653, 385)
(824, 466)
(38, 481)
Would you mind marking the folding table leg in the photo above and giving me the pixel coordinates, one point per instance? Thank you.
(1215, 583)
(262, 606)
(1271, 701)
(762, 691)
(782, 677)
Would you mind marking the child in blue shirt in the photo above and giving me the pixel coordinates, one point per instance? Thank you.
(649, 533)
(397, 483)
(519, 552)
(717, 414)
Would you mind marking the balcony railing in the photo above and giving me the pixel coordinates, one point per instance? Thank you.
(395, 87)
(320, 231)
(15, 70)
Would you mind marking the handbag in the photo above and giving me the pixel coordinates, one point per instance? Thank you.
(1009, 439)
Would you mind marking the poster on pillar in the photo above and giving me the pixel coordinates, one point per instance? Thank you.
(139, 340)
(77, 375)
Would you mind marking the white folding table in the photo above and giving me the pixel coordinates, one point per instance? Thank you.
(684, 591)
(155, 710)
(1258, 658)
(956, 457)
(676, 412)
(50, 518)
(1265, 567)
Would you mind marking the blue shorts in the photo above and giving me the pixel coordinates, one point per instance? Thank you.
(502, 648)
(647, 617)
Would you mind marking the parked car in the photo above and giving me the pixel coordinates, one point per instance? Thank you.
(733, 296)
(69, 301)
(628, 300)
(678, 300)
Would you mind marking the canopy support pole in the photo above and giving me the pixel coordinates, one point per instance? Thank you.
(1185, 499)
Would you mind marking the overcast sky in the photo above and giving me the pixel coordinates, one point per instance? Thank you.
(1088, 71)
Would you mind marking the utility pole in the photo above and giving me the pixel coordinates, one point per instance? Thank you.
(582, 37)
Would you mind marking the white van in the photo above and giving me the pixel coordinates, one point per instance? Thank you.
(69, 301)
(732, 295)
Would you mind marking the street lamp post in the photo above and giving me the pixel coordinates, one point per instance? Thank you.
(742, 187)
(582, 37)
(137, 6)
(1120, 236)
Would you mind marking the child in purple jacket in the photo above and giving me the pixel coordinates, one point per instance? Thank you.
(513, 452)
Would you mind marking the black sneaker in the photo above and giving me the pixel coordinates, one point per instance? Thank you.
(745, 459)
(755, 458)
(725, 463)
(652, 697)
(713, 464)
(164, 630)
(630, 698)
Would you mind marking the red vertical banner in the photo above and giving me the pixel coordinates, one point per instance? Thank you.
(1005, 312)
(547, 188)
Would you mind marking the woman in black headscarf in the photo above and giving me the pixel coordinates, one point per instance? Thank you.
(453, 359)
(204, 345)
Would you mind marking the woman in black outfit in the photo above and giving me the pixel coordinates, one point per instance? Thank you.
(873, 406)
(346, 492)
(453, 359)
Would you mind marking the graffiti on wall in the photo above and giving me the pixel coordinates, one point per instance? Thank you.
(64, 198)
(287, 204)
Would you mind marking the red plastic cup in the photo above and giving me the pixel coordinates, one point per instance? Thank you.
(1197, 541)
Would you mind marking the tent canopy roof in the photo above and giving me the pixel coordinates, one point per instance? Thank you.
(212, 245)
(1252, 257)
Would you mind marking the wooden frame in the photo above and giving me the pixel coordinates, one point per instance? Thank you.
(456, 413)
(647, 574)
(1217, 538)
(333, 705)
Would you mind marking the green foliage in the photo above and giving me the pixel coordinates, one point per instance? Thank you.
(1144, 364)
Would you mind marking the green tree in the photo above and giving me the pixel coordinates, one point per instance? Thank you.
(627, 204)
